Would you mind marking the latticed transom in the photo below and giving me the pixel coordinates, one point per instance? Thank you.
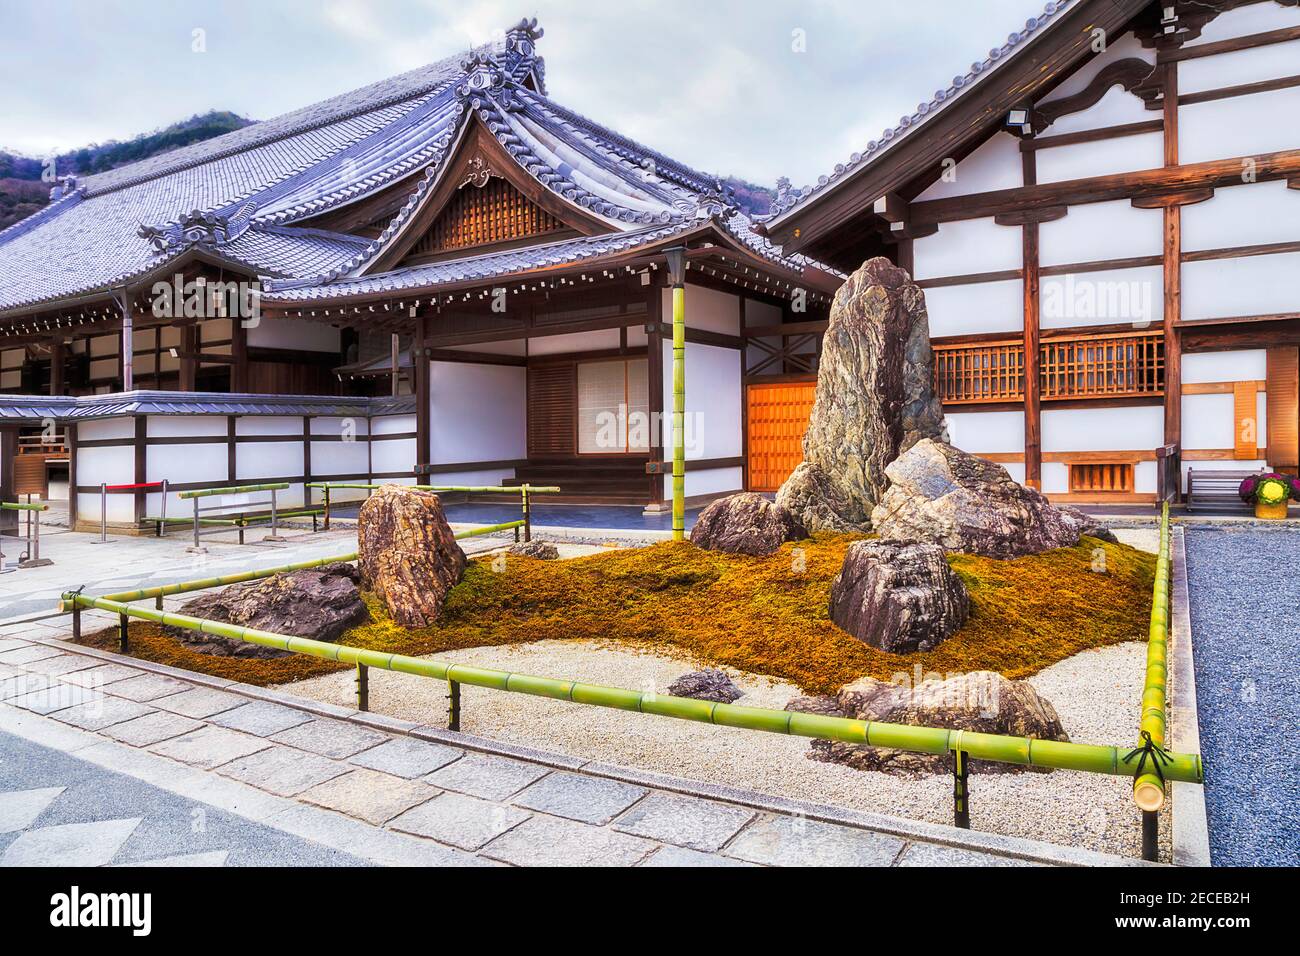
(495, 213)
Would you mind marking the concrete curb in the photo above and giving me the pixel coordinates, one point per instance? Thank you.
(921, 831)
(1191, 835)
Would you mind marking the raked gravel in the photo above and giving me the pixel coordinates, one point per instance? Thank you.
(1095, 693)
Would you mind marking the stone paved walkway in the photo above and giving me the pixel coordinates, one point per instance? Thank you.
(339, 786)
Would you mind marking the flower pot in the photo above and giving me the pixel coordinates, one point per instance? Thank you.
(1275, 512)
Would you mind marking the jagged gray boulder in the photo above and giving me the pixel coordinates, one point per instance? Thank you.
(898, 596)
(541, 550)
(941, 494)
(321, 603)
(708, 684)
(747, 523)
(981, 701)
(874, 399)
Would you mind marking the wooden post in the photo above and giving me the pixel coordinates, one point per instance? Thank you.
(141, 465)
(239, 355)
(189, 364)
(396, 373)
(655, 385)
(1173, 272)
(423, 388)
(128, 344)
(1032, 281)
(58, 357)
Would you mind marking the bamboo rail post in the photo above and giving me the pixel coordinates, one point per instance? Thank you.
(327, 506)
(453, 705)
(363, 687)
(124, 640)
(76, 622)
(961, 788)
(528, 518)
(1149, 781)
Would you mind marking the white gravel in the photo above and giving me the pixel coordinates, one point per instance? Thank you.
(1095, 693)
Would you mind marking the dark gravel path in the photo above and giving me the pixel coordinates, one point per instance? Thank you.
(1245, 605)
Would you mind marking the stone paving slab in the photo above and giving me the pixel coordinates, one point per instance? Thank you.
(551, 841)
(53, 696)
(260, 718)
(282, 770)
(586, 799)
(330, 738)
(60, 664)
(199, 702)
(486, 776)
(407, 758)
(462, 821)
(72, 844)
(210, 747)
(147, 687)
(97, 675)
(792, 841)
(19, 809)
(929, 854)
(152, 728)
(676, 856)
(369, 795)
(101, 712)
(684, 821)
(27, 653)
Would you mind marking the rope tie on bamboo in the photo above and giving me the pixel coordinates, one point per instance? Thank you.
(1159, 756)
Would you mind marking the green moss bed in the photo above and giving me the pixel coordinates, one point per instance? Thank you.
(762, 615)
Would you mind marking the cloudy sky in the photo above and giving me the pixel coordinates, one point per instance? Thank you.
(758, 89)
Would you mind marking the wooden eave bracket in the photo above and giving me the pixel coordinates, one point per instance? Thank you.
(1025, 217)
(1181, 197)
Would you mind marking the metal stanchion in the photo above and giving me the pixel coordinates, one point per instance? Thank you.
(103, 514)
(275, 532)
(196, 547)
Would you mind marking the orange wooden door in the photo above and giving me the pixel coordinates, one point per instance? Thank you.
(777, 417)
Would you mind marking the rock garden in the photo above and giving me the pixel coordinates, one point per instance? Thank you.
(893, 578)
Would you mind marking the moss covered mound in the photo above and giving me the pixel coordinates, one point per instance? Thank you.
(762, 615)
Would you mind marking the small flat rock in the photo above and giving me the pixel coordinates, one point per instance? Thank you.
(486, 776)
(210, 747)
(791, 841)
(684, 821)
(461, 821)
(260, 717)
(550, 841)
(404, 757)
(283, 770)
(72, 844)
(330, 738)
(587, 799)
(369, 795)
(151, 728)
(20, 808)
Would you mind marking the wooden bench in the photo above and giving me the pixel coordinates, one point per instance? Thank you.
(1216, 490)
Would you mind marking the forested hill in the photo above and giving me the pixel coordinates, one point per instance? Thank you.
(23, 192)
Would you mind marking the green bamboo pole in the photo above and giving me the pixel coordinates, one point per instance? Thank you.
(184, 587)
(474, 489)
(236, 490)
(932, 740)
(679, 412)
(488, 529)
(1148, 787)
(19, 506)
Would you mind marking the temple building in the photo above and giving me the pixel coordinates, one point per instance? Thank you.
(446, 276)
(1105, 217)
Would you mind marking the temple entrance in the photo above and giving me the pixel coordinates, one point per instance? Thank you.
(777, 417)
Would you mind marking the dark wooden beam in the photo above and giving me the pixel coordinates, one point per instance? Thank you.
(1173, 269)
(1030, 267)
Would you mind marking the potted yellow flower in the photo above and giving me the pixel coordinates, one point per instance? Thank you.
(1269, 492)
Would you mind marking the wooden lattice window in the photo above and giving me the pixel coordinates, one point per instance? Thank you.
(1102, 477)
(494, 213)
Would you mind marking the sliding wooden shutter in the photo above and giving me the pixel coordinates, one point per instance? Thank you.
(1245, 416)
(1283, 412)
(778, 417)
(552, 410)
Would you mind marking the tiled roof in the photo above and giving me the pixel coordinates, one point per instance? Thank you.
(67, 408)
(238, 196)
(789, 199)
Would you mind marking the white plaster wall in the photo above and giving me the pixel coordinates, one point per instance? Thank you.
(982, 433)
(1243, 215)
(268, 425)
(392, 424)
(105, 428)
(1238, 126)
(111, 466)
(994, 165)
(1055, 478)
(967, 247)
(394, 455)
(300, 334)
(1208, 422)
(1117, 106)
(711, 481)
(1106, 230)
(510, 347)
(978, 307)
(1242, 365)
(1124, 428)
(493, 477)
(1247, 20)
(477, 412)
(707, 309)
(574, 342)
(1101, 158)
(338, 425)
(340, 458)
(1255, 285)
(714, 416)
(761, 313)
(173, 426)
(1131, 296)
(1244, 66)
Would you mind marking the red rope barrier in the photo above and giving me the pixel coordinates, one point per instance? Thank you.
(142, 484)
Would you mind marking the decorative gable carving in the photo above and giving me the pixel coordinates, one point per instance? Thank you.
(486, 211)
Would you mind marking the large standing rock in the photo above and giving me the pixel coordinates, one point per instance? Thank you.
(708, 684)
(874, 399)
(407, 553)
(981, 701)
(320, 603)
(898, 596)
(746, 523)
(963, 503)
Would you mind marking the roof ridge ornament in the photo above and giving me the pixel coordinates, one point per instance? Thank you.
(520, 56)
(199, 229)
